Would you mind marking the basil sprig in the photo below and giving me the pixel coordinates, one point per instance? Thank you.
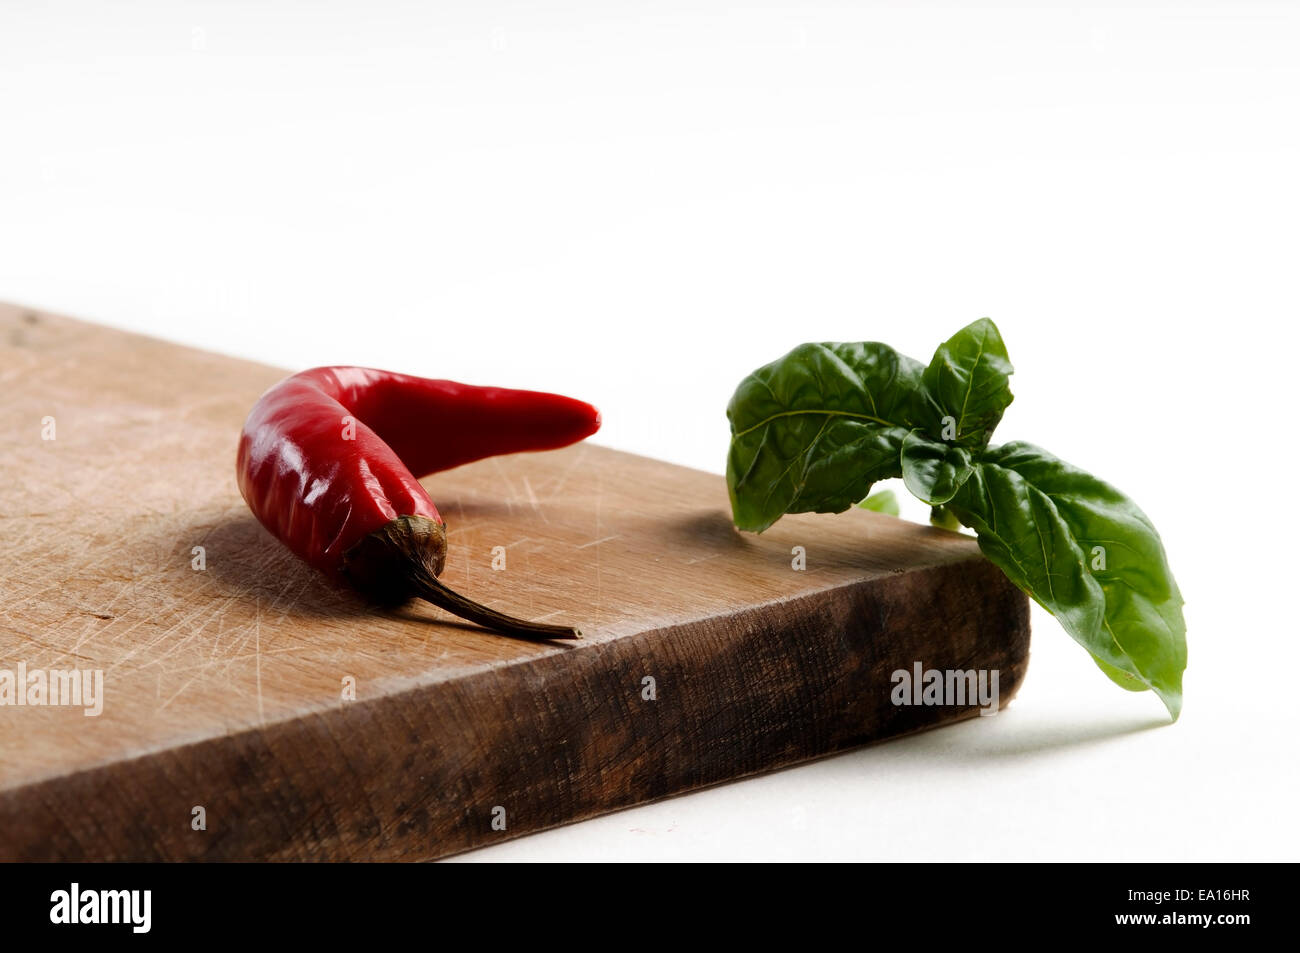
(813, 431)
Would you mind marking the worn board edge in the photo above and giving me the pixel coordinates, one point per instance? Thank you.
(798, 680)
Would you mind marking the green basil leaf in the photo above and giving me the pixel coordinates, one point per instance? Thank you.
(883, 502)
(1088, 555)
(966, 387)
(934, 471)
(812, 431)
(942, 517)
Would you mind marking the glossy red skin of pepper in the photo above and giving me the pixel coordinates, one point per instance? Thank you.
(332, 454)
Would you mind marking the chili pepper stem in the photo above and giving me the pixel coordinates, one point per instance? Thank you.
(402, 561)
(431, 589)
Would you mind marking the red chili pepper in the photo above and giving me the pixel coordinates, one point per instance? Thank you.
(329, 458)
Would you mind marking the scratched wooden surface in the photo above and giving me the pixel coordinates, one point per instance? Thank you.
(224, 686)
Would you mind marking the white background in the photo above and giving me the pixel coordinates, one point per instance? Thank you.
(638, 203)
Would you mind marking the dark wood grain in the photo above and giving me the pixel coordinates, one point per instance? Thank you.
(223, 687)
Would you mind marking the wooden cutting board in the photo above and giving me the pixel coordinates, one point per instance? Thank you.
(226, 680)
